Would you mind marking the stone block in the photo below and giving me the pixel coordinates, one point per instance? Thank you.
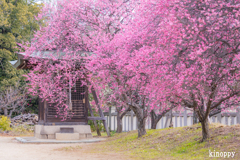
(67, 136)
(56, 129)
(41, 136)
(49, 132)
(82, 135)
(89, 135)
(51, 136)
(37, 129)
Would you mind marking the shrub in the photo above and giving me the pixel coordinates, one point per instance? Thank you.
(5, 123)
(19, 129)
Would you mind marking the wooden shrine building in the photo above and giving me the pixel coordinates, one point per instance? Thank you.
(50, 126)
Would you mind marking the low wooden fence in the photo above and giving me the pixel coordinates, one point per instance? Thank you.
(129, 121)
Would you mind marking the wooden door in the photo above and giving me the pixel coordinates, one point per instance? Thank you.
(79, 110)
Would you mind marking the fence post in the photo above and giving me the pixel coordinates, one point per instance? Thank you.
(125, 123)
(162, 121)
(219, 117)
(213, 119)
(166, 122)
(226, 120)
(232, 121)
(238, 115)
(110, 118)
(176, 117)
(185, 117)
(131, 119)
(180, 115)
(128, 123)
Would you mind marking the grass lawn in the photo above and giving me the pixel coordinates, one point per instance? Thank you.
(103, 134)
(173, 143)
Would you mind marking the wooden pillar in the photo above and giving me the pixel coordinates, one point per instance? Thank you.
(41, 111)
(45, 111)
(94, 121)
(100, 111)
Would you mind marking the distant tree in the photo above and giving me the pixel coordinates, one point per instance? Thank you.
(17, 25)
(13, 99)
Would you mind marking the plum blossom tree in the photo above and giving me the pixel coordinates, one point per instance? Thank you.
(182, 52)
(127, 64)
(75, 30)
(190, 51)
(186, 52)
(204, 71)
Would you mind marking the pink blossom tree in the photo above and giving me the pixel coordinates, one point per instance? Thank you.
(204, 70)
(190, 50)
(181, 52)
(74, 31)
(128, 63)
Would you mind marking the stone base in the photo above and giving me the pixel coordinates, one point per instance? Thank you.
(34, 140)
(53, 132)
(67, 136)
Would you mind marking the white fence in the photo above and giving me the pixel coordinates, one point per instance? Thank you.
(129, 121)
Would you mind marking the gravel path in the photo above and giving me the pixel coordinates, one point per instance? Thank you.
(10, 149)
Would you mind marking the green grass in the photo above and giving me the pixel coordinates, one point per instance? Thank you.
(173, 143)
(103, 134)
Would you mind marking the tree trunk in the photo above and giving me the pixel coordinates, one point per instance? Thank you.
(10, 114)
(154, 125)
(141, 120)
(141, 127)
(205, 130)
(141, 117)
(119, 123)
(155, 119)
(152, 120)
(120, 117)
(5, 112)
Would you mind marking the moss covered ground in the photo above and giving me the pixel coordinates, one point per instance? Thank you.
(173, 143)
